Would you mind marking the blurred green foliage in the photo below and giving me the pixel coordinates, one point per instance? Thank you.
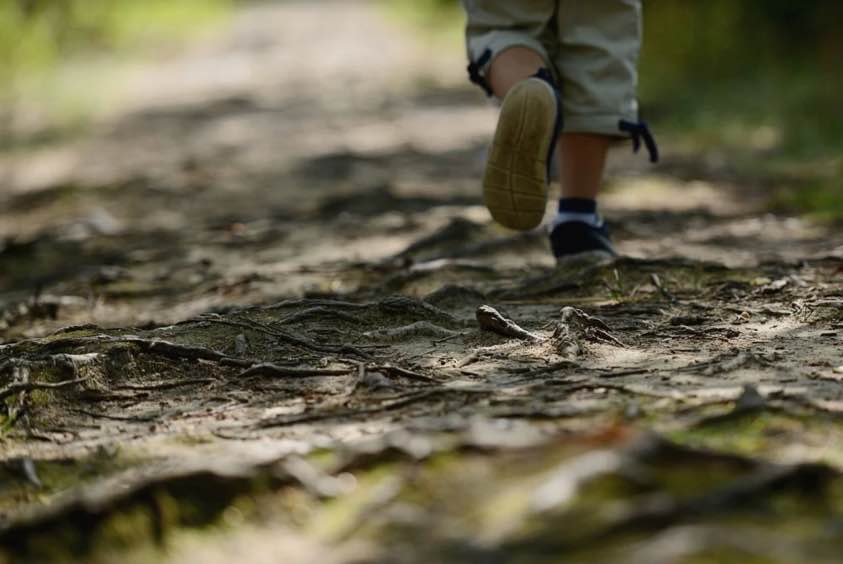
(62, 61)
(36, 34)
(754, 78)
(440, 20)
(758, 61)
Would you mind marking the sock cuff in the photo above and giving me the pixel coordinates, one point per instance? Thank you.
(577, 205)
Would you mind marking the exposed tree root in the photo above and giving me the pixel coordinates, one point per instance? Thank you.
(490, 319)
(269, 369)
(17, 388)
(390, 405)
(417, 329)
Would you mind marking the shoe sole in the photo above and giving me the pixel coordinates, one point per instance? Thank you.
(515, 181)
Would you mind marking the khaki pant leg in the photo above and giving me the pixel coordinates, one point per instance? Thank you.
(599, 46)
(497, 25)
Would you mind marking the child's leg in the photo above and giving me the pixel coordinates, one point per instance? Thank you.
(593, 46)
(582, 156)
(511, 67)
(597, 62)
(494, 27)
(509, 42)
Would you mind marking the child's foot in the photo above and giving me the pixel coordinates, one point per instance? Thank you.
(515, 182)
(575, 237)
(578, 228)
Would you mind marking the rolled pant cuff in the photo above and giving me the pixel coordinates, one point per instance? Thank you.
(500, 40)
(604, 124)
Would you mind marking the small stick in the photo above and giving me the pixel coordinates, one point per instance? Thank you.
(657, 282)
(165, 385)
(397, 371)
(269, 369)
(13, 389)
(491, 320)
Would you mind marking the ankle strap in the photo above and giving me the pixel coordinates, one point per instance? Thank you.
(638, 132)
(475, 73)
(545, 75)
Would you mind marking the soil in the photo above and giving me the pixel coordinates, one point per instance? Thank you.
(261, 310)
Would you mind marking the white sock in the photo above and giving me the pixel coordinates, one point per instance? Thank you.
(592, 219)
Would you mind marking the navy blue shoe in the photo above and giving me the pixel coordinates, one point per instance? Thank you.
(574, 237)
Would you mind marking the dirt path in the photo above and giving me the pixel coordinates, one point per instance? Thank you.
(256, 290)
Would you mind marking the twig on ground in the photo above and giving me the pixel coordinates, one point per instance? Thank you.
(420, 355)
(470, 359)
(126, 418)
(316, 311)
(490, 319)
(286, 337)
(550, 368)
(449, 338)
(623, 373)
(269, 369)
(403, 372)
(360, 375)
(315, 303)
(18, 387)
(417, 329)
(316, 415)
(657, 282)
(166, 385)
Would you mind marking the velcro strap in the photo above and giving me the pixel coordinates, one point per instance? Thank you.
(476, 76)
(638, 132)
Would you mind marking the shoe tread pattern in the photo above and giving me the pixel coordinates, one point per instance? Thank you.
(515, 181)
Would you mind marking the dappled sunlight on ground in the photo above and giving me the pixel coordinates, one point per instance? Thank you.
(250, 298)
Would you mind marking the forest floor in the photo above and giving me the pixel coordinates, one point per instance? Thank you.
(243, 317)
